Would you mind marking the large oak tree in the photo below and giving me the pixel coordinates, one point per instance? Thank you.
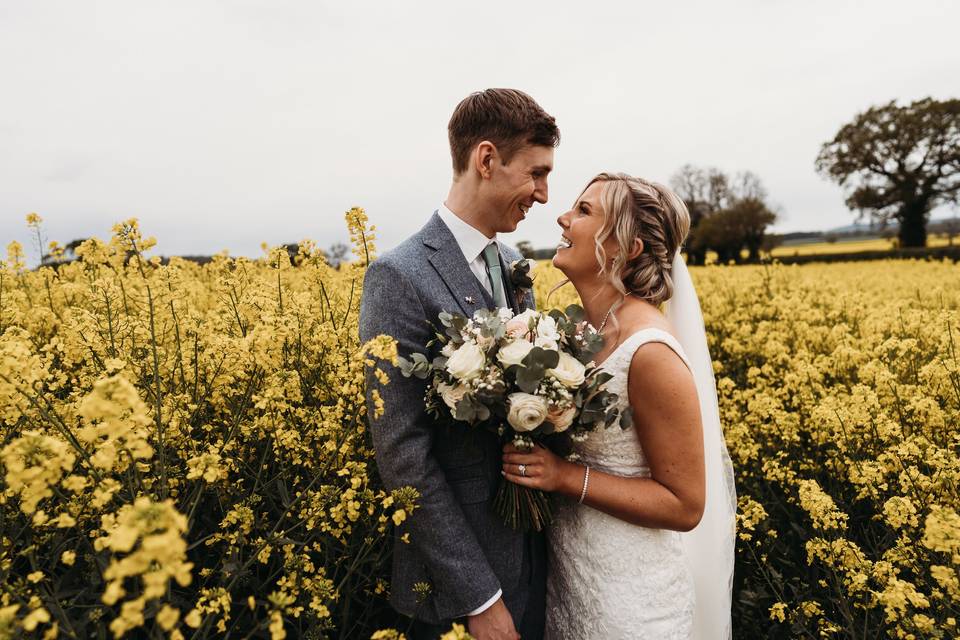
(898, 163)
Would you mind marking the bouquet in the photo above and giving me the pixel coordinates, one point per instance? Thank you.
(529, 378)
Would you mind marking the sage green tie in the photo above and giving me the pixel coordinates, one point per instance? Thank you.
(492, 257)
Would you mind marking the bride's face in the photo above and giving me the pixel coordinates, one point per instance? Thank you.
(576, 256)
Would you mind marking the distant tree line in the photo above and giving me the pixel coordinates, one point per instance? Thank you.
(335, 255)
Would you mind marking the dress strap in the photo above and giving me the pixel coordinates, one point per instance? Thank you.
(653, 334)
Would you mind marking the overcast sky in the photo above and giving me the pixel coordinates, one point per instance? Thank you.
(224, 124)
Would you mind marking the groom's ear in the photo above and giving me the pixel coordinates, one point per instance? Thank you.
(483, 158)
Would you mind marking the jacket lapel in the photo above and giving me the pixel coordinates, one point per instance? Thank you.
(452, 267)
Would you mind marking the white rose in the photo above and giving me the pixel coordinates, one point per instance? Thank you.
(562, 419)
(504, 314)
(448, 350)
(546, 343)
(452, 394)
(466, 362)
(569, 371)
(527, 411)
(527, 315)
(514, 352)
(547, 329)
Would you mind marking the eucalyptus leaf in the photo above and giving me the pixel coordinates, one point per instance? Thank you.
(528, 378)
(575, 313)
(543, 358)
(417, 366)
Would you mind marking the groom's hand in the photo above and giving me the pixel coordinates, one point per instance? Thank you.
(495, 623)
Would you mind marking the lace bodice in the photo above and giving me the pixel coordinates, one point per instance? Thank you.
(616, 450)
(608, 578)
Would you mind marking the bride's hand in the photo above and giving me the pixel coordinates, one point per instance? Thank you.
(542, 468)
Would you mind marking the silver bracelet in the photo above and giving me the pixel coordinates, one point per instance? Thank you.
(586, 481)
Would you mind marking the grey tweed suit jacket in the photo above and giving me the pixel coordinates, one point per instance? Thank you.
(457, 544)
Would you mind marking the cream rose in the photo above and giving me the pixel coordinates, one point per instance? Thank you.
(562, 418)
(466, 362)
(452, 394)
(527, 411)
(514, 352)
(569, 371)
(484, 342)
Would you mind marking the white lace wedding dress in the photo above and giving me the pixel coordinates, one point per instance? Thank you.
(607, 578)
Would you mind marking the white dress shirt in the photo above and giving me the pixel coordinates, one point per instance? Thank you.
(472, 242)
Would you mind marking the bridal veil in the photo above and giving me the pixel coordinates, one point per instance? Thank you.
(708, 548)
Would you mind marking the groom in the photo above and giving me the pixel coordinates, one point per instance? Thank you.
(478, 569)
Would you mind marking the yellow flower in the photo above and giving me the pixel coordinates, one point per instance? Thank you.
(778, 612)
(208, 466)
(193, 619)
(167, 617)
(159, 557)
(34, 463)
(458, 632)
(942, 530)
(116, 424)
(820, 507)
(361, 236)
(34, 618)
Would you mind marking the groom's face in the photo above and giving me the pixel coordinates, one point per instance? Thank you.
(515, 186)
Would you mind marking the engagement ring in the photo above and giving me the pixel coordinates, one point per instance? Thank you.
(523, 469)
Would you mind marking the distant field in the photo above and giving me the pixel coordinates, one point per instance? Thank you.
(852, 246)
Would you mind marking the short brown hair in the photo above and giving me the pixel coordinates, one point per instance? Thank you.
(508, 118)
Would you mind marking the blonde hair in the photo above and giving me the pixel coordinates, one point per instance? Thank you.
(637, 208)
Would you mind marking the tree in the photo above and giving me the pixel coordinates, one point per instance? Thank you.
(337, 254)
(705, 191)
(951, 228)
(525, 247)
(898, 163)
(752, 217)
(720, 232)
(727, 214)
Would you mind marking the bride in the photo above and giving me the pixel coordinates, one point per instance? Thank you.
(642, 541)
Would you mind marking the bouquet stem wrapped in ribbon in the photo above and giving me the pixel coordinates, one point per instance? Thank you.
(529, 378)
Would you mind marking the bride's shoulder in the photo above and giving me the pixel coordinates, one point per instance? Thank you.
(656, 349)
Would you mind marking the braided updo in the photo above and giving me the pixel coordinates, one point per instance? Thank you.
(638, 208)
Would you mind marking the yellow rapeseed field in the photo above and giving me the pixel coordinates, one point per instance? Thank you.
(183, 449)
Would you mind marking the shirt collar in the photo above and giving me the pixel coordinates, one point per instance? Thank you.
(471, 240)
